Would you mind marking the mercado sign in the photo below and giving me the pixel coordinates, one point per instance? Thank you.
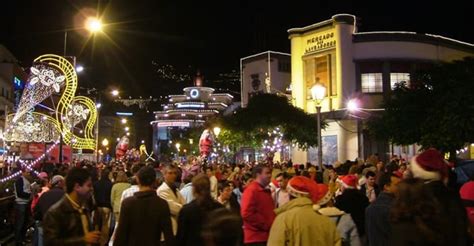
(320, 41)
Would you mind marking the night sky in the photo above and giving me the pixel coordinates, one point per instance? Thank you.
(208, 35)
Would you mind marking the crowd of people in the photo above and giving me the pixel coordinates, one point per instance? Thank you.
(354, 203)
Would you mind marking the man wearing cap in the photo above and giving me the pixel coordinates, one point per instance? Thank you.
(353, 202)
(431, 167)
(46, 201)
(297, 223)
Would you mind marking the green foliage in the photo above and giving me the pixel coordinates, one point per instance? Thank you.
(249, 126)
(436, 110)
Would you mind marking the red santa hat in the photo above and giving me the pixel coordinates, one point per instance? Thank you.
(429, 165)
(325, 194)
(301, 186)
(349, 181)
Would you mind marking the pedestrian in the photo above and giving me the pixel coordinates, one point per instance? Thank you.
(121, 184)
(46, 200)
(353, 202)
(192, 215)
(447, 223)
(187, 190)
(23, 197)
(213, 179)
(144, 217)
(68, 222)
(170, 193)
(297, 223)
(467, 195)
(257, 207)
(345, 225)
(281, 196)
(222, 228)
(370, 188)
(226, 197)
(102, 195)
(377, 214)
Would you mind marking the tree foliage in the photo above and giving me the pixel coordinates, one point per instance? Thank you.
(435, 110)
(250, 126)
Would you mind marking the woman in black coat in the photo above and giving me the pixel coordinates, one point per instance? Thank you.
(193, 215)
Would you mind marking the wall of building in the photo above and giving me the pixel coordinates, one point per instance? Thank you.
(256, 69)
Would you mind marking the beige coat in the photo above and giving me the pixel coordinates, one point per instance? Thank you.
(175, 202)
(298, 224)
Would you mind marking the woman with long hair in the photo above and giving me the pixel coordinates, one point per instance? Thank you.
(193, 215)
(416, 216)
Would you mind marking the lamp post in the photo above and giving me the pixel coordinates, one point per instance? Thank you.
(318, 92)
(93, 25)
(216, 131)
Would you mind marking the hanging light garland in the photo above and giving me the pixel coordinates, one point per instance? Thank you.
(29, 165)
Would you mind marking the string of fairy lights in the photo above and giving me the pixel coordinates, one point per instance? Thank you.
(30, 165)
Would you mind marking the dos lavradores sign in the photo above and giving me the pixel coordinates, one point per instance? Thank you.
(320, 41)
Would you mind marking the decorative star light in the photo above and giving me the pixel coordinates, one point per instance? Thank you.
(47, 78)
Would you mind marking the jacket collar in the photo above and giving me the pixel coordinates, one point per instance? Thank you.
(295, 203)
(141, 194)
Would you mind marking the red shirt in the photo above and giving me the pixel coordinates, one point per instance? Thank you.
(257, 213)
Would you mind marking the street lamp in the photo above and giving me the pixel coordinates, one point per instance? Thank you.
(127, 129)
(114, 93)
(93, 25)
(216, 131)
(318, 92)
(105, 142)
(124, 121)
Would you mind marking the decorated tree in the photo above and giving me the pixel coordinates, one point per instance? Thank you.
(435, 110)
(267, 121)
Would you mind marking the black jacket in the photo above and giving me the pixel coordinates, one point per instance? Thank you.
(353, 202)
(363, 190)
(62, 225)
(377, 220)
(102, 190)
(190, 220)
(143, 218)
(47, 200)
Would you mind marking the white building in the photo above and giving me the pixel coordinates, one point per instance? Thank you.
(266, 72)
(352, 64)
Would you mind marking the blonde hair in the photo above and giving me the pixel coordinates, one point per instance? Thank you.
(121, 177)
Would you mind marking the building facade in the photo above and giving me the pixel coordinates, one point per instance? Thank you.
(190, 109)
(266, 72)
(362, 65)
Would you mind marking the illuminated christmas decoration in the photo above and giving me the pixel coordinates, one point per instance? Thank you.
(274, 141)
(30, 165)
(53, 74)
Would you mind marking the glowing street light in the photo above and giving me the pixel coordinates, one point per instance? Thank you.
(177, 145)
(128, 133)
(98, 105)
(105, 142)
(124, 121)
(352, 105)
(127, 129)
(79, 69)
(93, 25)
(114, 93)
(216, 131)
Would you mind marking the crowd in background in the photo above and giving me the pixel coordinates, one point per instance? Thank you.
(353, 203)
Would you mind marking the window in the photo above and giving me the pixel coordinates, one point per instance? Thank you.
(396, 78)
(317, 70)
(371, 82)
(284, 66)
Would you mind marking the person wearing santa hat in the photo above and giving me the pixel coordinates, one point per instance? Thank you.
(467, 196)
(431, 167)
(353, 202)
(297, 223)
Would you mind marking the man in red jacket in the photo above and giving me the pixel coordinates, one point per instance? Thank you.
(257, 208)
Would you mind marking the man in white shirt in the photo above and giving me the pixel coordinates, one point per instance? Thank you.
(281, 196)
(171, 194)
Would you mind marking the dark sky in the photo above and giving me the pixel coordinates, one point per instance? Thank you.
(208, 35)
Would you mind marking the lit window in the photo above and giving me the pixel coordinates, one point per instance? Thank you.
(371, 82)
(396, 78)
